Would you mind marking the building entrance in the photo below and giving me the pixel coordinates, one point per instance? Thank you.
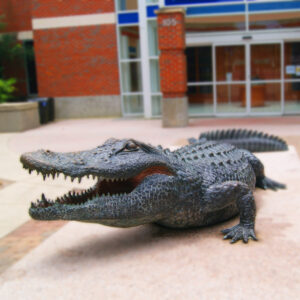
(244, 78)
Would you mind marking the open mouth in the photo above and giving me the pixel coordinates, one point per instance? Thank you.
(104, 187)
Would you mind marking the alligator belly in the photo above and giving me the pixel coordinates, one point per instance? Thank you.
(189, 219)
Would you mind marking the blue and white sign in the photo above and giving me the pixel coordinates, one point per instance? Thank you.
(189, 2)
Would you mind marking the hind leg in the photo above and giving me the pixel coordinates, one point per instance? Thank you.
(262, 181)
(227, 193)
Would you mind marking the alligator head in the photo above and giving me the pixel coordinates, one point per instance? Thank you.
(136, 183)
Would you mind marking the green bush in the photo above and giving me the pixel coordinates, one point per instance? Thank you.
(9, 50)
(7, 88)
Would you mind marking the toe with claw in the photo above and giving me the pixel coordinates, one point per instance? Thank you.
(239, 232)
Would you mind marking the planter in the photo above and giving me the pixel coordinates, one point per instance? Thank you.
(16, 117)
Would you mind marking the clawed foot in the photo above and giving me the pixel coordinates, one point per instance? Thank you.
(239, 232)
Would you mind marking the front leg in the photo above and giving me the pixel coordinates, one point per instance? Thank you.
(221, 195)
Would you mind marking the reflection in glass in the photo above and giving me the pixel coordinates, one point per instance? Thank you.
(153, 38)
(131, 76)
(199, 64)
(292, 97)
(200, 99)
(231, 98)
(154, 73)
(274, 20)
(230, 63)
(127, 4)
(156, 106)
(215, 23)
(133, 104)
(265, 62)
(130, 42)
(291, 60)
(265, 97)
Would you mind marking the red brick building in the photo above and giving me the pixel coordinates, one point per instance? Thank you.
(127, 57)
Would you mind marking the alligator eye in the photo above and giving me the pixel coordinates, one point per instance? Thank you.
(131, 146)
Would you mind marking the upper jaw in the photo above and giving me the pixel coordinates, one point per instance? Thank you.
(80, 164)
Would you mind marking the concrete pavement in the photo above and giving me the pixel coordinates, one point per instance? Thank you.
(87, 260)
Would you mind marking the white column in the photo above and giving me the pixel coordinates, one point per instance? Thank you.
(145, 58)
(161, 3)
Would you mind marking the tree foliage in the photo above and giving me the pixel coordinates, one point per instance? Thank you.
(9, 51)
(7, 88)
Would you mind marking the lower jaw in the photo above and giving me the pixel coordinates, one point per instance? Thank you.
(94, 210)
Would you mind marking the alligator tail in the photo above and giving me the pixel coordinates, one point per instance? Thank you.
(251, 140)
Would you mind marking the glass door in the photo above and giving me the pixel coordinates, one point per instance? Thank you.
(200, 80)
(230, 81)
(266, 66)
(292, 77)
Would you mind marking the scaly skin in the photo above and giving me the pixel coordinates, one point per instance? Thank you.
(196, 185)
(245, 139)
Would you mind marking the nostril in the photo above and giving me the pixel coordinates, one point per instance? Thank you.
(79, 162)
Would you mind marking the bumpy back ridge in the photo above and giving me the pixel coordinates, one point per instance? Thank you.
(251, 140)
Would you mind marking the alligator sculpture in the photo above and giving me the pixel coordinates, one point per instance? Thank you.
(200, 184)
(250, 140)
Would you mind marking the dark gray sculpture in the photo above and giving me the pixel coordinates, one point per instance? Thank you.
(197, 185)
(250, 140)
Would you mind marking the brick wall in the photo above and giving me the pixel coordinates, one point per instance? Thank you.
(17, 15)
(57, 8)
(71, 61)
(171, 36)
(77, 61)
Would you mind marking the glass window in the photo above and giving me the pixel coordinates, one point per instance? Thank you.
(274, 20)
(265, 62)
(127, 4)
(292, 73)
(215, 23)
(265, 97)
(31, 68)
(231, 98)
(152, 1)
(130, 42)
(133, 104)
(199, 64)
(230, 63)
(292, 60)
(131, 76)
(200, 99)
(292, 97)
(153, 38)
(154, 73)
(156, 105)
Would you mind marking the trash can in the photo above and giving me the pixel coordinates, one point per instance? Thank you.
(46, 109)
